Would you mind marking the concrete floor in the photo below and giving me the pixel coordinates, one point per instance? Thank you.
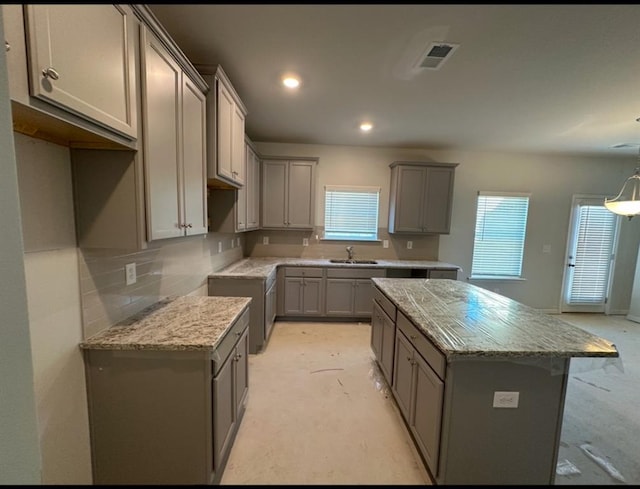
(319, 412)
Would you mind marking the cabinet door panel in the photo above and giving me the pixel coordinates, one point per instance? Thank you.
(242, 371)
(91, 59)
(161, 112)
(252, 185)
(363, 299)
(225, 108)
(301, 194)
(312, 296)
(293, 295)
(388, 345)
(241, 209)
(194, 158)
(426, 414)
(403, 374)
(238, 159)
(376, 332)
(409, 199)
(274, 185)
(340, 295)
(224, 412)
(438, 197)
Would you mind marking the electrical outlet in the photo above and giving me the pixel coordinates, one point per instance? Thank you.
(130, 273)
(546, 248)
(505, 399)
(238, 241)
(233, 243)
(219, 246)
(385, 243)
(265, 240)
(305, 241)
(409, 245)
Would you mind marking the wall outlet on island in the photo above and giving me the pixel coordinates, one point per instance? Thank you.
(409, 245)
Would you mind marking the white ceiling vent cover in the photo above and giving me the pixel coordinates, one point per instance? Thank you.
(435, 55)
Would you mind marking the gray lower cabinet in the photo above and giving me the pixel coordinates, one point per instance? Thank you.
(166, 416)
(350, 291)
(383, 332)
(230, 387)
(303, 291)
(263, 295)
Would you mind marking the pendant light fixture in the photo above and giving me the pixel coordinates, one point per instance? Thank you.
(627, 202)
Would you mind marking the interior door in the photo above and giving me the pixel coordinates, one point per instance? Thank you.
(591, 244)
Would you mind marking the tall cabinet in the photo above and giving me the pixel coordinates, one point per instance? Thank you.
(288, 193)
(421, 197)
(174, 122)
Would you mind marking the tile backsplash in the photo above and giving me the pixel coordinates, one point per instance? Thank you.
(177, 266)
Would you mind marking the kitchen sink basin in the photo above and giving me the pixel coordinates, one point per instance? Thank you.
(356, 262)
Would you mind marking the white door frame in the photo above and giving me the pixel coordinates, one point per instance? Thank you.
(564, 307)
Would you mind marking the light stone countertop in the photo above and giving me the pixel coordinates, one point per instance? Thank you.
(252, 268)
(464, 320)
(195, 323)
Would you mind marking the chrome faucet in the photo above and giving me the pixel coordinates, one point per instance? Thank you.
(350, 252)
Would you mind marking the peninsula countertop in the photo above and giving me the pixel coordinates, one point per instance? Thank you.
(251, 268)
(464, 320)
(189, 323)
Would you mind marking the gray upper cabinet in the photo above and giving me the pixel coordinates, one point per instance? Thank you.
(174, 122)
(252, 186)
(421, 197)
(226, 116)
(72, 73)
(288, 193)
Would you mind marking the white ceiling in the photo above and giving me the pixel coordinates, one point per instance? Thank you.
(534, 78)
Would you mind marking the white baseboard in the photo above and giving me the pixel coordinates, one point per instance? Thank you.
(635, 319)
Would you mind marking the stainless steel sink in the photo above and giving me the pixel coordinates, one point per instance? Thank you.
(356, 262)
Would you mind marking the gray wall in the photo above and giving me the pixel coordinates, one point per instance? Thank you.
(19, 450)
(551, 179)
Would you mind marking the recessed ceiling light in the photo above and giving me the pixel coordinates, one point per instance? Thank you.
(291, 81)
(366, 126)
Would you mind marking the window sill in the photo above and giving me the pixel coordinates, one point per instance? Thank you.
(497, 278)
(352, 239)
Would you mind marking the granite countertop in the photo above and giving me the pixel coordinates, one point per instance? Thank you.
(195, 323)
(251, 268)
(464, 320)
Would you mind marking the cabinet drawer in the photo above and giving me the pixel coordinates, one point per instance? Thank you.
(229, 341)
(355, 272)
(385, 303)
(429, 352)
(453, 274)
(303, 272)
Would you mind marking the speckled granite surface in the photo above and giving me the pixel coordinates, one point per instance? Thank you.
(250, 268)
(182, 323)
(464, 320)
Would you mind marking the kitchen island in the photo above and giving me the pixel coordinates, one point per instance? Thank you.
(479, 379)
(167, 389)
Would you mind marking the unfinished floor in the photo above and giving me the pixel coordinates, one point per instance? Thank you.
(319, 412)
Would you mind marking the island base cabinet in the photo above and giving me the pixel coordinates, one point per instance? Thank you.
(483, 444)
(150, 417)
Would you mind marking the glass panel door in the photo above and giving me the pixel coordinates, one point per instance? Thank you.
(590, 253)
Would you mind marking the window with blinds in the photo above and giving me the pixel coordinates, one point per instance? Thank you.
(351, 213)
(498, 245)
(596, 229)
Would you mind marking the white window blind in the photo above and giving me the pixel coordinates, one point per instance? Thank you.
(501, 223)
(592, 256)
(351, 213)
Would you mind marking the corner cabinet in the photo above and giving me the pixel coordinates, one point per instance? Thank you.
(421, 197)
(174, 123)
(226, 116)
(288, 193)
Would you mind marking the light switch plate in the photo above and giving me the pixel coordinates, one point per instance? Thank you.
(265, 240)
(130, 273)
(409, 245)
(502, 399)
(305, 241)
(385, 243)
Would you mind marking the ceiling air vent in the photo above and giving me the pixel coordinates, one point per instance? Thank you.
(436, 54)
